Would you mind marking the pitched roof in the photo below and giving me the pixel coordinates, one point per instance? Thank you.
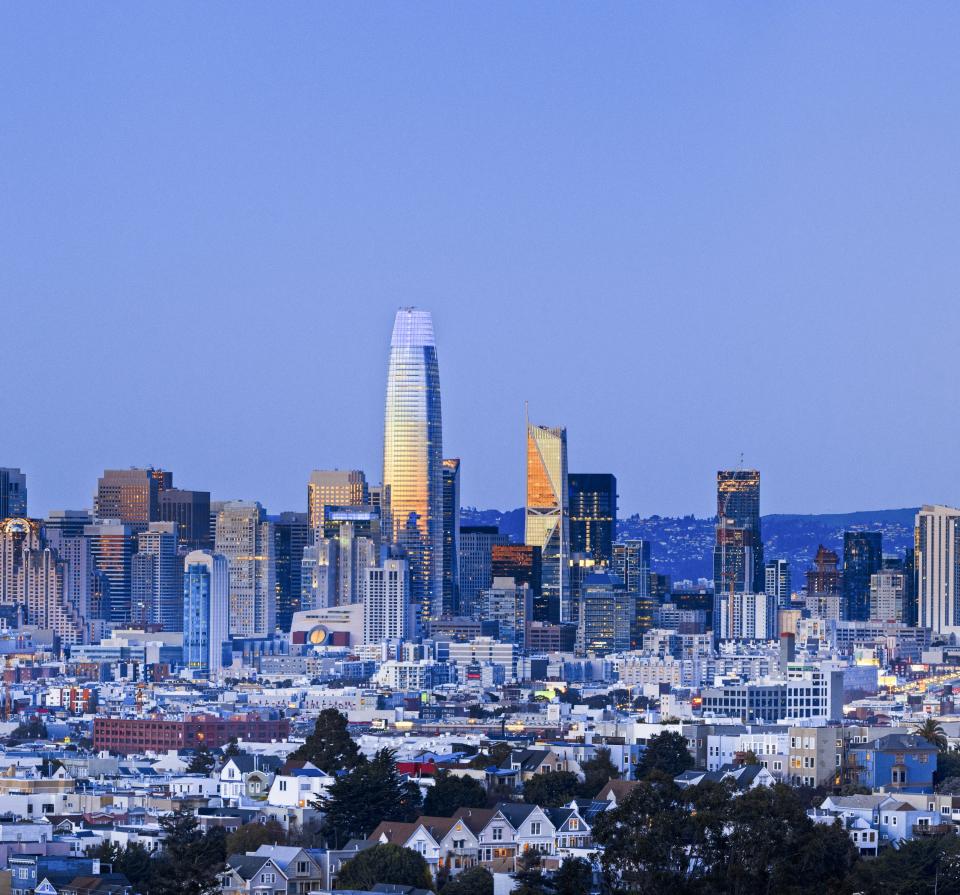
(620, 789)
(394, 831)
(474, 819)
(246, 866)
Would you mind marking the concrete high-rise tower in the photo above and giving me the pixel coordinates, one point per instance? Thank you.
(547, 523)
(413, 458)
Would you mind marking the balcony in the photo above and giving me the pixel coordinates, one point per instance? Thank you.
(933, 829)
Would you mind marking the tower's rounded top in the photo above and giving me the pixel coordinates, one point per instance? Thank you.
(412, 328)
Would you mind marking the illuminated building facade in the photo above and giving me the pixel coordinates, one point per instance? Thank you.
(413, 458)
(593, 514)
(156, 578)
(246, 539)
(386, 609)
(937, 562)
(334, 488)
(112, 545)
(738, 553)
(862, 556)
(546, 521)
(130, 496)
(206, 603)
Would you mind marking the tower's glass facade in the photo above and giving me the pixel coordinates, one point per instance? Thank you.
(413, 458)
(547, 521)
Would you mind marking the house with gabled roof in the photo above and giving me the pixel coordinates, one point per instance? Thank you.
(461, 843)
(570, 828)
(252, 875)
(303, 870)
(515, 828)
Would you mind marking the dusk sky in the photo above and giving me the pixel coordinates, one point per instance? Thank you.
(684, 231)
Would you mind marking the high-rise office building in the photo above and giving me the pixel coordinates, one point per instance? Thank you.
(48, 599)
(356, 532)
(191, 511)
(334, 488)
(386, 608)
(476, 563)
(937, 562)
(130, 496)
(777, 581)
(605, 616)
(451, 536)
(510, 605)
(63, 530)
(156, 578)
(752, 616)
(206, 605)
(69, 523)
(593, 514)
(292, 533)
(16, 536)
(318, 575)
(738, 553)
(886, 595)
(630, 562)
(246, 539)
(547, 520)
(824, 586)
(522, 563)
(413, 458)
(13, 493)
(112, 545)
(862, 556)
(35, 582)
(911, 611)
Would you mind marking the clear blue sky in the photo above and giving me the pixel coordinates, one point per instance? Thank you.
(682, 230)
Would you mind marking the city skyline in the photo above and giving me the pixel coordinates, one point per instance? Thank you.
(597, 196)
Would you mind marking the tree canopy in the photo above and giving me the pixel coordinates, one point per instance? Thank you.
(450, 792)
(385, 863)
(551, 790)
(666, 753)
(703, 840)
(372, 792)
(330, 747)
(475, 881)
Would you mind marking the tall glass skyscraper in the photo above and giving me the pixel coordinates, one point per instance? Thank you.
(413, 458)
(547, 517)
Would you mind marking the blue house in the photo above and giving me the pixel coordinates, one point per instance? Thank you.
(897, 762)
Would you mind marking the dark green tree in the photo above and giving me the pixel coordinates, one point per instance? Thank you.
(667, 753)
(372, 792)
(187, 865)
(135, 864)
(774, 846)
(948, 765)
(202, 762)
(232, 749)
(106, 852)
(497, 754)
(385, 863)
(475, 881)
(250, 836)
(330, 747)
(646, 840)
(33, 729)
(551, 790)
(597, 772)
(575, 877)
(922, 866)
(450, 792)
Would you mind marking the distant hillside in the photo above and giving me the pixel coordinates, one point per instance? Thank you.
(682, 547)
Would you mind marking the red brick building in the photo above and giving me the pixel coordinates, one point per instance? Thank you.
(129, 735)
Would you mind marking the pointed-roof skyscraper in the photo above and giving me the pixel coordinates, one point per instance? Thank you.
(413, 458)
